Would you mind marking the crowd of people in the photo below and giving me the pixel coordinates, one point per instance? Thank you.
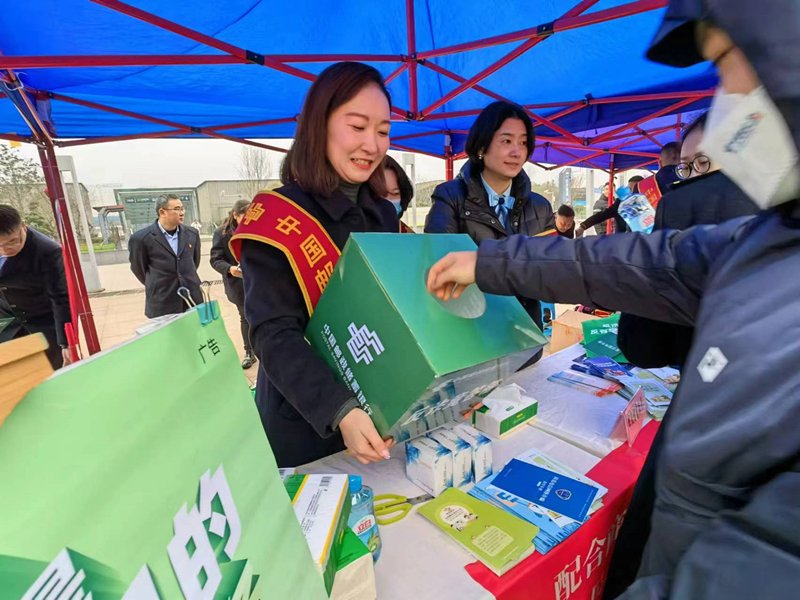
(711, 289)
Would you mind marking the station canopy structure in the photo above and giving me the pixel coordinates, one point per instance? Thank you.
(75, 72)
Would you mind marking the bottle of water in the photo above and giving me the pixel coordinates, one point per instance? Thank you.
(362, 516)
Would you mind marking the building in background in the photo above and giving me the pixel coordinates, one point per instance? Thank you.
(216, 197)
(140, 204)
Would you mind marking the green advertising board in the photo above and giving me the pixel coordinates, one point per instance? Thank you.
(414, 362)
(600, 338)
(144, 473)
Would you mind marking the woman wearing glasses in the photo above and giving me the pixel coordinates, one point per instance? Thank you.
(704, 195)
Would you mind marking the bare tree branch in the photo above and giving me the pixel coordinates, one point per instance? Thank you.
(255, 168)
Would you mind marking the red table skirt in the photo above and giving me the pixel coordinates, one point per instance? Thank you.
(576, 569)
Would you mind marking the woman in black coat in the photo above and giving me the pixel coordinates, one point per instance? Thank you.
(223, 261)
(491, 198)
(332, 174)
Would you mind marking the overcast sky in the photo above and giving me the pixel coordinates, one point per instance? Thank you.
(187, 163)
(176, 163)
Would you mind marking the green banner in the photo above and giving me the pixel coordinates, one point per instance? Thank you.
(144, 473)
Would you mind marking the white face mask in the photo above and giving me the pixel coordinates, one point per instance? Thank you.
(748, 138)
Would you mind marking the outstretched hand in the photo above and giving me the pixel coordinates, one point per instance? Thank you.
(448, 277)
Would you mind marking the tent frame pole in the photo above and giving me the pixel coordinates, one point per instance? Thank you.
(79, 300)
(82, 307)
(576, 10)
(411, 36)
(659, 113)
(565, 23)
(611, 191)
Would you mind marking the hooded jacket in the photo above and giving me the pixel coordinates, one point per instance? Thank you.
(726, 518)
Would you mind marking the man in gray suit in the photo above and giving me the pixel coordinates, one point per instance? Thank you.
(165, 257)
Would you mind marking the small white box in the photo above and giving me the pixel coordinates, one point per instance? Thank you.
(504, 411)
(462, 454)
(429, 465)
(481, 450)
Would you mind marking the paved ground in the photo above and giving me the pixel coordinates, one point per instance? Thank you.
(117, 316)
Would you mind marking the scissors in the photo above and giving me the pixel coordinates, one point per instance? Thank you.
(391, 508)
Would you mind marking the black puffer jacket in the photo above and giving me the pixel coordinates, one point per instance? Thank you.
(462, 206)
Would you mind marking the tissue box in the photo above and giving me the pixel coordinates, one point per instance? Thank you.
(355, 573)
(429, 465)
(462, 455)
(322, 505)
(481, 450)
(376, 314)
(504, 411)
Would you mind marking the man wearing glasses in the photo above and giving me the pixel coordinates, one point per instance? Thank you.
(165, 257)
(33, 290)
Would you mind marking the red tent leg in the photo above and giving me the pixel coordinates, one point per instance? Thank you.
(72, 269)
(610, 190)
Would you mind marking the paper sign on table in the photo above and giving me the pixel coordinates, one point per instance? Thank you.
(632, 418)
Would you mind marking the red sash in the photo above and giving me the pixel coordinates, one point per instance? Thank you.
(277, 221)
(649, 187)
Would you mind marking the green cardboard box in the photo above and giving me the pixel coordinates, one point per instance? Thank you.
(355, 571)
(412, 363)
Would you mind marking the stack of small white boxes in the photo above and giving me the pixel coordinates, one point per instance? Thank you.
(454, 455)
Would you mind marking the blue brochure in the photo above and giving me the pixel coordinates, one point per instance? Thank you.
(548, 489)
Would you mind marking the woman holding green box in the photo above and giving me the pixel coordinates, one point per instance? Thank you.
(289, 242)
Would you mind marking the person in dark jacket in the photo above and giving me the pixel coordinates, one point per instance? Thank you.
(491, 198)
(223, 261)
(599, 206)
(707, 198)
(33, 289)
(165, 257)
(725, 522)
(332, 172)
(565, 221)
(666, 176)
